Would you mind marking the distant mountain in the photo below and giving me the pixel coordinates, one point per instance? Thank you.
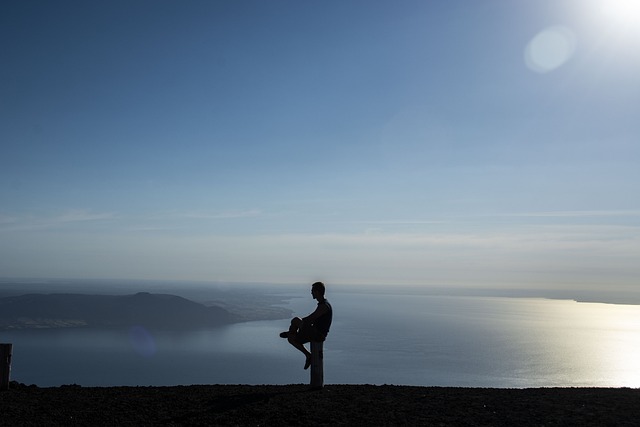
(160, 311)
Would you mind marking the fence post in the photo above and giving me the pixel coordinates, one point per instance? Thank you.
(5, 365)
(317, 374)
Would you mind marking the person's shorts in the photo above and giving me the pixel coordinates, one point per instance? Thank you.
(307, 333)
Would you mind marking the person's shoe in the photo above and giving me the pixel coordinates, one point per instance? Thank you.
(307, 363)
(284, 334)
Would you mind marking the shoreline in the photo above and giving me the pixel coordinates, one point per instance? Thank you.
(297, 404)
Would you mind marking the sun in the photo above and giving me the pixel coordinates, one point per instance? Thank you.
(621, 15)
(625, 12)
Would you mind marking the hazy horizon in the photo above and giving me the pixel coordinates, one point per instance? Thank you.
(254, 296)
(457, 143)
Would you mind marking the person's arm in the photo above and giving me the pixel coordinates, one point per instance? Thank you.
(319, 311)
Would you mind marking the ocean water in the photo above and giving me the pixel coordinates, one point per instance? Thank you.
(375, 339)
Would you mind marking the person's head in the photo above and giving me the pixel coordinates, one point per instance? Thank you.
(317, 290)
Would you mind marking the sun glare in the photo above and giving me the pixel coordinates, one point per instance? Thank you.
(623, 12)
(621, 16)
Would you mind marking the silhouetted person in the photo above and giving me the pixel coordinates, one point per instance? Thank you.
(314, 327)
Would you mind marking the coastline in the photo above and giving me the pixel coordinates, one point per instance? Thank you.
(336, 404)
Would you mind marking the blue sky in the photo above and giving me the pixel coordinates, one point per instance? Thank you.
(491, 143)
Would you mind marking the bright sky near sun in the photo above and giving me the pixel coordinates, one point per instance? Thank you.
(425, 142)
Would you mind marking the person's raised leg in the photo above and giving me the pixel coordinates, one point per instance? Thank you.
(293, 328)
(292, 337)
(302, 348)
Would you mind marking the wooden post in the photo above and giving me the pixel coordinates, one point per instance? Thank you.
(5, 365)
(317, 374)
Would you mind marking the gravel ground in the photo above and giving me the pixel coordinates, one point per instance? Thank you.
(291, 405)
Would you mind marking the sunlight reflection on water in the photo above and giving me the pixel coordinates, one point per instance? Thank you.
(505, 342)
(595, 344)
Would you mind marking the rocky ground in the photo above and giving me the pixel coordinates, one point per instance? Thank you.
(291, 405)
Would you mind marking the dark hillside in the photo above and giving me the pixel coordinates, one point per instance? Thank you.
(105, 311)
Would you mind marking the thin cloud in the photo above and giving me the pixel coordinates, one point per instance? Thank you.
(252, 213)
(574, 214)
(82, 215)
(6, 219)
(204, 215)
(68, 218)
(185, 221)
(402, 222)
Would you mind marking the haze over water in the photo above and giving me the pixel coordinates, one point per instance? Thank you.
(380, 338)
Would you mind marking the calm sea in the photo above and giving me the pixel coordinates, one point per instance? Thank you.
(375, 339)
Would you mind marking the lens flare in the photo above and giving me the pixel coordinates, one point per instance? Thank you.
(550, 49)
(142, 341)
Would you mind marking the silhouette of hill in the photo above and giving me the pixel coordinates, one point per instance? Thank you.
(108, 311)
